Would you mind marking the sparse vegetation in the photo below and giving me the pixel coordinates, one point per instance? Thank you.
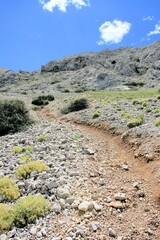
(96, 114)
(6, 217)
(41, 138)
(25, 157)
(29, 148)
(14, 116)
(75, 137)
(28, 209)
(8, 189)
(42, 100)
(17, 149)
(25, 170)
(135, 122)
(76, 105)
(126, 115)
(157, 122)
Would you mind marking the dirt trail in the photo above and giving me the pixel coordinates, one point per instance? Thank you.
(113, 170)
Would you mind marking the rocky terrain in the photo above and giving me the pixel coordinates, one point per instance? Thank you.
(102, 177)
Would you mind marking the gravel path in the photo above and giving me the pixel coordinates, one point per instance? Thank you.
(98, 190)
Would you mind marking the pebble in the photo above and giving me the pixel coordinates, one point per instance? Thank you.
(112, 233)
(85, 206)
(56, 208)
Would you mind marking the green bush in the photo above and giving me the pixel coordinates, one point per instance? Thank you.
(76, 105)
(25, 170)
(29, 148)
(8, 189)
(42, 100)
(126, 115)
(13, 116)
(135, 122)
(28, 209)
(41, 138)
(25, 157)
(6, 217)
(157, 122)
(17, 149)
(96, 114)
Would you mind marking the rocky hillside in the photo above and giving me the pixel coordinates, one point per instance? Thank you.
(92, 173)
(119, 69)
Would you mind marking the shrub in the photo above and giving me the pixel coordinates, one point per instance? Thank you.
(135, 122)
(157, 122)
(96, 114)
(17, 149)
(29, 148)
(13, 116)
(25, 157)
(6, 217)
(8, 189)
(25, 170)
(126, 115)
(77, 105)
(28, 209)
(42, 100)
(41, 138)
(75, 137)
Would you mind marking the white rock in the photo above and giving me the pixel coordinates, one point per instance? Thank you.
(85, 206)
(56, 208)
(112, 233)
(63, 192)
(98, 207)
(33, 230)
(3, 237)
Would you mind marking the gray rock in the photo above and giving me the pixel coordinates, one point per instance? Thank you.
(51, 185)
(94, 227)
(98, 207)
(33, 230)
(80, 233)
(62, 192)
(1, 174)
(56, 208)
(85, 206)
(3, 237)
(112, 233)
(43, 231)
(9, 78)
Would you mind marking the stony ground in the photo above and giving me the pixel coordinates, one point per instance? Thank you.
(97, 188)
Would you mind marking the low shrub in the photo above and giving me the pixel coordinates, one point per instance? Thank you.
(14, 116)
(29, 148)
(6, 217)
(157, 122)
(96, 114)
(25, 170)
(8, 189)
(25, 157)
(17, 149)
(76, 105)
(126, 115)
(28, 209)
(41, 138)
(135, 122)
(42, 100)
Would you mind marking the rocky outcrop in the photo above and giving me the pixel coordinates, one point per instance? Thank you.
(67, 64)
(109, 68)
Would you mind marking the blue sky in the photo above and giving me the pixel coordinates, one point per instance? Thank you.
(33, 32)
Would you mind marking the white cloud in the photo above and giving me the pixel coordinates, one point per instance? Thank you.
(149, 18)
(113, 32)
(63, 4)
(155, 31)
